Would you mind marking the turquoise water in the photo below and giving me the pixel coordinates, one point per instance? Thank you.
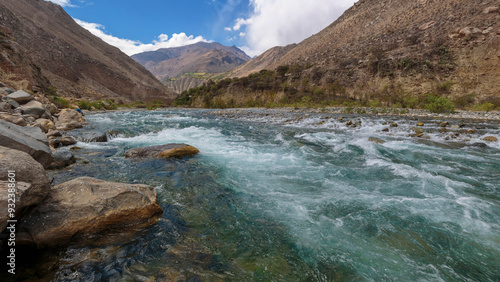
(310, 200)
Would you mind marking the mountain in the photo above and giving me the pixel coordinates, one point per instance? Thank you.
(388, 52)
(43, 46)
(200, 61)
(262, 61)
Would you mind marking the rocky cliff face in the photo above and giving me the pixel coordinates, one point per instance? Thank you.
(381, 49)
(42, 45)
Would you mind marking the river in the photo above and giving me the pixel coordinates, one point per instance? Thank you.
(287, 198)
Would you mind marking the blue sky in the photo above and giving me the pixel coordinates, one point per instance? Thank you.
(253, 25)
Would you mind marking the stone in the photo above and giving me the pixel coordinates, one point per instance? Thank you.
(385, 130)
(445, 124)
(420, 124)
(94, 137)
(490, 139)
(418, 130)
(51, 108)
(455, 127)
(466, 31)
(5, 107)
(491, 9)
(13, 104)
(69, 126)
(85, 207)
(62, 158)
(35, 111)
(394, 124)
(471, 131)
(20, 97)
(53, 133)
(9, 90)
(55, 143)
(67, 141)
(45, 125)
(69, 119)
(27, 139)
(32, 183)
(165, 151)
(376, 140)
(13, 119)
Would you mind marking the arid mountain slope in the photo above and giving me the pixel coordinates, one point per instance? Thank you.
(196, 58)
(45, 46)
(415, 44)
(262, 61)
(387, 51)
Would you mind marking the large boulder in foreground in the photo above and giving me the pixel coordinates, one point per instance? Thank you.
(31, 182)
(85, 207)
(163, 151)
(27, 139)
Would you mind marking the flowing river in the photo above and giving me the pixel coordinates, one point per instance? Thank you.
(287, 198)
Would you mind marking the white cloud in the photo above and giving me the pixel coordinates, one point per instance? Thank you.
(241, 22)
(63, 3)
(282, 22)
(242, 34)
(227, 29)
(131, 47)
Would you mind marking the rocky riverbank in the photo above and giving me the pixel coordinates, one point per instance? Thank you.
(33, 137)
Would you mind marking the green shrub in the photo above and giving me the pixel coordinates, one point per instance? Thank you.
(464, 101)
(60, 102)
(484, 107)
(440, 105)
(410, 102)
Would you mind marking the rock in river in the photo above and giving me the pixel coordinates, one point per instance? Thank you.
(164, 151)
(32, 184)
(69, 119)
(84, 207)
(490, 139)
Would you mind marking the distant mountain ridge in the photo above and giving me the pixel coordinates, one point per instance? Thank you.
(42, 44)
(200, 57)
(182, 68)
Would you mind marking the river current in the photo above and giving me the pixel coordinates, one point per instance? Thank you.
(308, 200)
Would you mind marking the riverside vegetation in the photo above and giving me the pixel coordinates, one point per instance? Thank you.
(286, 87)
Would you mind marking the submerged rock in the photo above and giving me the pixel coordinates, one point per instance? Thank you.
(85, 207)
(490, 139)
(376, 140)
(479, 145)
(32, 183)
(27, 139)
(164, 151)
(95, 137)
